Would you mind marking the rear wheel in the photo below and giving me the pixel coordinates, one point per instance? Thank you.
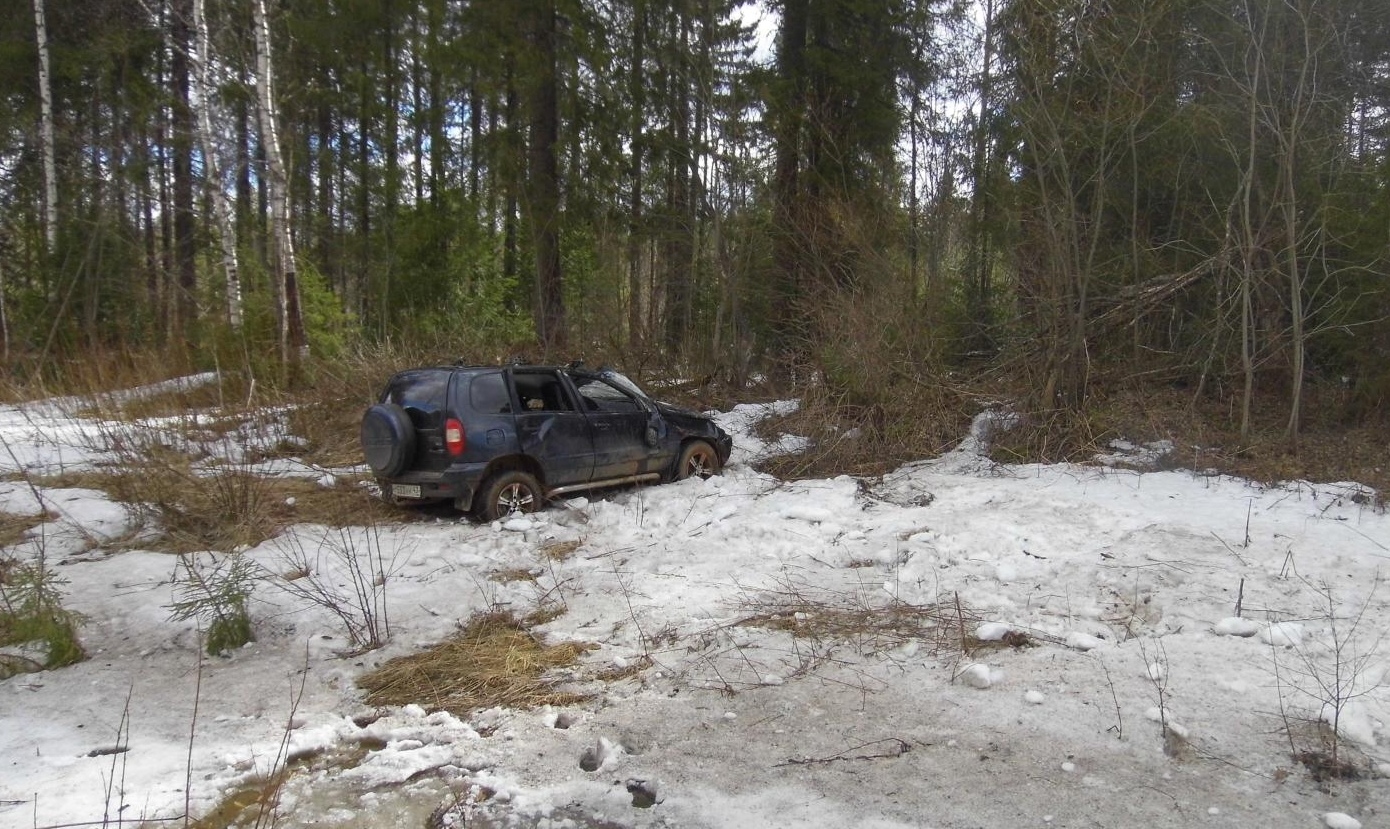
(509, 493)
(698, 459)
(388, 439)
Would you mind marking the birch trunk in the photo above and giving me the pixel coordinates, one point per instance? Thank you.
(221, 206)
(293, 346)
(50, 165)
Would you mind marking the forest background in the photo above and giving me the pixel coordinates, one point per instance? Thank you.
(1157, 219)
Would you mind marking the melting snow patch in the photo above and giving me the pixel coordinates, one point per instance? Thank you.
(1076, 640)
(1353, 722)
(1236, 626)
(976, 676)
(1148, 456)
(1283, 634)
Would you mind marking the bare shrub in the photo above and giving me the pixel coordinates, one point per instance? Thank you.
(344, 571)
(876, 391)
(1319, 681)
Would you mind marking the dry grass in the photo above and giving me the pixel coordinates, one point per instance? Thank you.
(494, 661)
(916, 421)
(910, 416)
(513, 575)
(560, 550)
(1206, 433)
(829, 616)
(192, 512)
(13, 527)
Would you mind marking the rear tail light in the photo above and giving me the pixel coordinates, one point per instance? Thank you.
(453, 437)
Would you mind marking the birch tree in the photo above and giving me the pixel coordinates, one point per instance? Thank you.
(221, 206)
(293, 345)
(50, 166)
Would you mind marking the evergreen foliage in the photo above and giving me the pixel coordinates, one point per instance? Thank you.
(214, 590)
(1192, 192)
(31, 610)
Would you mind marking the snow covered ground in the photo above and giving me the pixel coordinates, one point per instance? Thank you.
(1110, 679)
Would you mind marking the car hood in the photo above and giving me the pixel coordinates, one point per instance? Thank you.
(687, 419)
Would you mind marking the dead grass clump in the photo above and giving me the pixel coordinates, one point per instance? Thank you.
(513, 575)
(13, 528)
(344, 505)
(866, 623)
(224, 510)
(560, 550)
(1323, 767)
(1013, 640)
(494, 661)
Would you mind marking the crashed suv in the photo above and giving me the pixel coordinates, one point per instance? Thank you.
(502, 440)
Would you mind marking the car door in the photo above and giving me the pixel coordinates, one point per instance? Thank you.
(551, 429)
(622, 445)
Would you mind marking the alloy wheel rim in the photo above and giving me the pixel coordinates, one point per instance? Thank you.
(514, 499)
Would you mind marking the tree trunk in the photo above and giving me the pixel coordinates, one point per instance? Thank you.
(543, 180)
(637, 81)
(293, 344)
(978, 288)
(185, 252)
(679, 247)
(212, 171)
(50, 165)
(788, 323)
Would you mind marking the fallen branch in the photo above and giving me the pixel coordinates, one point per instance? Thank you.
(899, 748)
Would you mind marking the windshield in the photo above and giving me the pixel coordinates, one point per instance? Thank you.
(623, 383)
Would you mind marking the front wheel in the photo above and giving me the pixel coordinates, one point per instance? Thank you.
(698, 459)
(509, 493)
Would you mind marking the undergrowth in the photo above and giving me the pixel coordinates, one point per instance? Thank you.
(31, 611)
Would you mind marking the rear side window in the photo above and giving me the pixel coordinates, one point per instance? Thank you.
(422, 390)
(488, 394)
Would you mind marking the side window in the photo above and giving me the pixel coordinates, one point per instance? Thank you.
(541, 392)
(488, 394)
(599, 396)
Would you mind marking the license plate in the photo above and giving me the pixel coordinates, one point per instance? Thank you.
(405, 490)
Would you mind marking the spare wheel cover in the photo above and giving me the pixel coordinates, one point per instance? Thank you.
(388, 438)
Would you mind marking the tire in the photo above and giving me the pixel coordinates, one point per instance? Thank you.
(698, 459)
(510, 492)
(388, 439)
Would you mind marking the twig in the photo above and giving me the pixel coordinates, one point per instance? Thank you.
(898, 748)
(1231, 549)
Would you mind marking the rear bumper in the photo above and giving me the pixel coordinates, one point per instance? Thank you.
(457, 484)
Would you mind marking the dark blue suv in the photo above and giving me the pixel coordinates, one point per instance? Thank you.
(501, 440)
